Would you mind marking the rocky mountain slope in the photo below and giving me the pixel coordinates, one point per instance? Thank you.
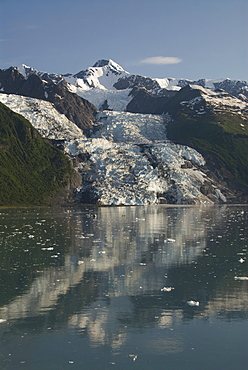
(54, 90)
(215, 124)
(123, 152)
(44, 117)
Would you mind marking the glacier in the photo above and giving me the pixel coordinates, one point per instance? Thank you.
(127, 161)
(114, 99)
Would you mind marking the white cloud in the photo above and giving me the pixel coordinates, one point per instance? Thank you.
(161, 60)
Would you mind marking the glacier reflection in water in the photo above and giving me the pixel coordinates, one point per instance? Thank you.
(112, 286)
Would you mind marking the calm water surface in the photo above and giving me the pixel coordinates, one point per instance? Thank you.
(109, 288)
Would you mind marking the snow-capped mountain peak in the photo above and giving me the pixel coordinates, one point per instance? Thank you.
(104, 74)
(26, 71)
(108, 63)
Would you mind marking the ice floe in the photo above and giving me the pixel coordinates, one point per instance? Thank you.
(193, 303)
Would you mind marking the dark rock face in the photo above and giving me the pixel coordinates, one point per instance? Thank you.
(13, 82)
(185, 94)
(101, 63)
(135, 81)
(104, 106)
(187, 164)
(207, 188)
(75, 108)
(145, 102)
(83, 74)
(236, 88)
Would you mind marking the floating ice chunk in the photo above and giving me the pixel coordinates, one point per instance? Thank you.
(134, 357)
(193, 303)
(241, 277)
(166, 289)
(241, 260)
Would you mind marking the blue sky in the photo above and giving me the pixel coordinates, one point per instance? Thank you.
(157, 38)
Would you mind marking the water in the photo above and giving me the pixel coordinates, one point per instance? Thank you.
(89, 288)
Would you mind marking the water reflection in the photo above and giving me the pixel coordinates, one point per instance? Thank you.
(99, 272)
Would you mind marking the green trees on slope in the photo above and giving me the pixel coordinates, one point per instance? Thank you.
(31, 169)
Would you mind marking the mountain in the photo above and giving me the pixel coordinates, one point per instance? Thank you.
(105, 84)
(50, 88)
(215, 124)
(98, 83)
(104, 74)
(107, 74)
(31, 170)
(125, 161)
(139, 140)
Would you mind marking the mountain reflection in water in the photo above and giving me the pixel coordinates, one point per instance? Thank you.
(99, 273)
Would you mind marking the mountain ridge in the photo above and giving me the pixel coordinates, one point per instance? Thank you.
(75, 108)
(209, 116)
(128, 80)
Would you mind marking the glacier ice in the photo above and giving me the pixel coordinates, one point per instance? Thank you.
(130, 162)
(127, 161)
